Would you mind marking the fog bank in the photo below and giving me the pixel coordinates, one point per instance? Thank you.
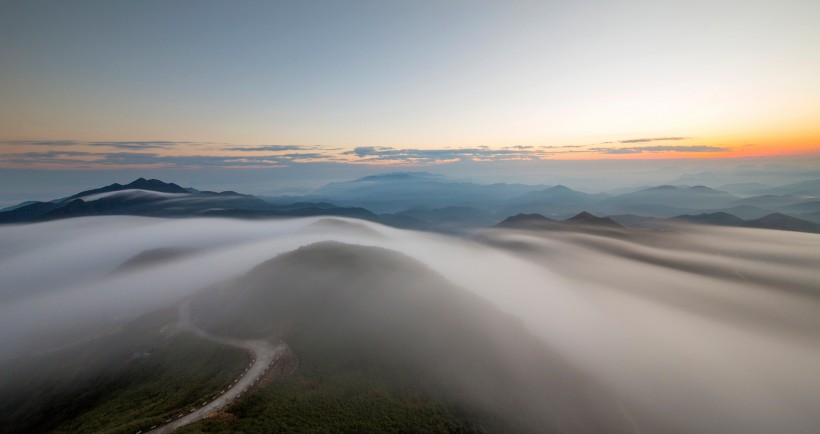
(704, 330)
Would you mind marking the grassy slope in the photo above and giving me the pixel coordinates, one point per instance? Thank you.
(124, 383)
(384, 344)
(344, 392)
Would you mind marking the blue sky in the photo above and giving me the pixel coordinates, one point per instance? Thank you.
(215, 85)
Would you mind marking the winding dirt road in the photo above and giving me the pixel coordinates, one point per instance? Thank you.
(263, 353)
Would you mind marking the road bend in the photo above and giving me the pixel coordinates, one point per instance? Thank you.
(263, 354)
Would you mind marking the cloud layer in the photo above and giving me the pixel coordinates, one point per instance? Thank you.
(169, 154)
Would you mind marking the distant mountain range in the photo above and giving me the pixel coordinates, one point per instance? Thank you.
(425, 201)
(582, 221)
(156, 198)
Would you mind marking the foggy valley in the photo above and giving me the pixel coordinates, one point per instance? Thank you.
(574, 329)
(413, 217)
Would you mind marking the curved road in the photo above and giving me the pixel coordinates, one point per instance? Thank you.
(263, 353)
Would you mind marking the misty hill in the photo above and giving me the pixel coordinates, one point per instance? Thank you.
(746, 212)
(559, 201)
(804, 188)
(775, 221)
(585, 218)
(745, 188)
(446, 219)
(698, 197)
(716, 218)
(783, 222)
(806, 206)
(384, 316)
(770, 201)
(589, 222)
(581, 221)
(391, 193)
(153, 257)
(124, 382)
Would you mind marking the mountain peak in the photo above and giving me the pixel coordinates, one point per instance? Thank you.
(156, 185)
(587, 218)
(137, 184)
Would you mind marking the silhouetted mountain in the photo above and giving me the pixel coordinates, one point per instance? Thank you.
(784, 223)
(19, 205)
(771, 221)
(156, 198)
(138, 184)
(559, 194)
(715, 218)
(585, 218)
(425, 201)
(27, 213)
(582, 221)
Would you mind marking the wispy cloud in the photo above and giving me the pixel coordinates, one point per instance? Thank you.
(270, 148)
(129, 145)
(56, 143)
(656, 139)
(645, 140)
(145, 144)
(79, 154)
(481, 153)
(660, 148)
(88, 159)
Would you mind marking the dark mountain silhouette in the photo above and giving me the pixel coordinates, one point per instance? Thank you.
(585, 218)
(771, 221)
(583, 221)
(783, 222)
(715, 218)
(31, 212)
(160, 199)
(139, 184)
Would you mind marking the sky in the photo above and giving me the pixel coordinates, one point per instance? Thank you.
(313, 86)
